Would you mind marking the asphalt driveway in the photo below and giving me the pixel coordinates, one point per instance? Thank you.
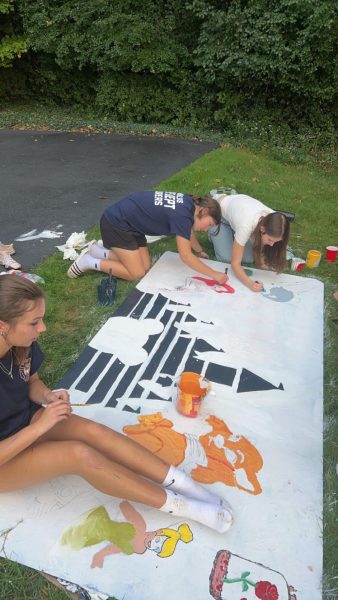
(55, 183)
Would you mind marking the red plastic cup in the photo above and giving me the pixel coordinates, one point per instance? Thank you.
(331, 253)
(300, 266)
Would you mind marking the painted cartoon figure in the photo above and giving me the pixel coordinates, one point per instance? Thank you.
(223, 288)
(128, 537)
(218, 456)
(233, 577)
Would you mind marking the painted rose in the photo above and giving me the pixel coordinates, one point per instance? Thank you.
(266, 591)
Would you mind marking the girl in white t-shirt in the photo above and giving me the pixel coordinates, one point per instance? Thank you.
(251, 232)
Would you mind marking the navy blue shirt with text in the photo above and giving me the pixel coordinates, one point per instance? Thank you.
(154, 213)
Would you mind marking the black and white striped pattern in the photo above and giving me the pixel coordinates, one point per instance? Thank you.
(101, 378)
(74, 271)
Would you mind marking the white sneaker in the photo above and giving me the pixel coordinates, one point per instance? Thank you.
(8, 248)
(74, 270)
(8, 262)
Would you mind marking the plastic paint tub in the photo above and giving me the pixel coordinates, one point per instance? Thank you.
(331, 253)
(191, 389)
(313, 258)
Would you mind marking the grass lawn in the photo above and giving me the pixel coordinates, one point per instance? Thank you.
(73, 314)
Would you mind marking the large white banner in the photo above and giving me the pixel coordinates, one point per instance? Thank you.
(257, 441)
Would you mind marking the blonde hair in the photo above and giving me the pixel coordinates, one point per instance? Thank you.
(276, 225)
(16, 297)
(173, 537)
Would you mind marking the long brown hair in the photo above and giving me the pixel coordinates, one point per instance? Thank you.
(276, 225)
(213, 209)
(16, 297)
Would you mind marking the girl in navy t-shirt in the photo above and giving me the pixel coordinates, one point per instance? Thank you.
(41, 439)
(124, 227)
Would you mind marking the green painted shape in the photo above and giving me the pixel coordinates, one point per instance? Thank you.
(98, 527)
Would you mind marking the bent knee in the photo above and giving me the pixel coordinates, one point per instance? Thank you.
(136, 274)
(84, 455)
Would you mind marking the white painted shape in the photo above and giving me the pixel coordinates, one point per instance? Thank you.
(143, 365)
(107, 333)
(194, 454)
(125, 337)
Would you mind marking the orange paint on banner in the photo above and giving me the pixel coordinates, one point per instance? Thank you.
(225, 453)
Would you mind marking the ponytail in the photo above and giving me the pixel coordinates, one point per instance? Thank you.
(275, 225)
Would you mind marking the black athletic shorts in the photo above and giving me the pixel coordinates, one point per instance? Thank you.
(112, 237)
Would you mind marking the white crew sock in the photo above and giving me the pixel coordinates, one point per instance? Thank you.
(87, 263)
(98, 251)
(178, 481)
(211, 515)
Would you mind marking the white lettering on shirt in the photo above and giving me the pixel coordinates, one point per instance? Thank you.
(158, 198)
(168, 199)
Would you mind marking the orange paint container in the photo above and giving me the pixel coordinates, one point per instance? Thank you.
(191, 389)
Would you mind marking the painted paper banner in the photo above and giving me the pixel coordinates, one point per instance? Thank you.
(257, 441)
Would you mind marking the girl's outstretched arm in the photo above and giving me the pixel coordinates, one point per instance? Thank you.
(236, 264)
(196, 246)
(186, 255)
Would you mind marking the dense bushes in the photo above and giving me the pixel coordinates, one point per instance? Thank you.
(274, 53)
(148, 98)
(184, 61)
(13, 43)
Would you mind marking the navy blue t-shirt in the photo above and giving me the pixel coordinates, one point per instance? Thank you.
(154, 213)
(16, 409)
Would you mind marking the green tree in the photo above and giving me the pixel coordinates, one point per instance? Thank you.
(280, 50)
(12, 41)
(185, 61)
(138, 53)
(118, 36)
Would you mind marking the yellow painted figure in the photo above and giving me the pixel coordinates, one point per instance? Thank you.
(128, 537)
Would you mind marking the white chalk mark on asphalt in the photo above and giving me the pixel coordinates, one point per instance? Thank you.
(34, 235)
